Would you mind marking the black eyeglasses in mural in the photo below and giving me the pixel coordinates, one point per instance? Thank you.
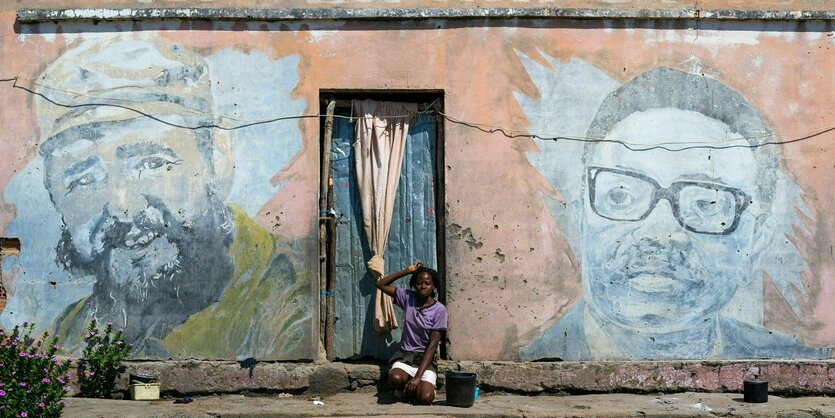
(698, 206)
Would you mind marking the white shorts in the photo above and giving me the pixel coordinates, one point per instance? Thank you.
(428, 375)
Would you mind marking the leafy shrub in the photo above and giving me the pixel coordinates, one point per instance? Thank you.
(102, 362)
(32, 380)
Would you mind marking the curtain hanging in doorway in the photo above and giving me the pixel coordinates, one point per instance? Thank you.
(381, 138)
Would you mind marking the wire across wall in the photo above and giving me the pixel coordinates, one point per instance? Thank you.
(239, 123)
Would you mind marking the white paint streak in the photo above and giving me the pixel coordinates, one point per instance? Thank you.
(316, 36)
(704, 38)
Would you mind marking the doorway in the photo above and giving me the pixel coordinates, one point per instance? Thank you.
(415, 227)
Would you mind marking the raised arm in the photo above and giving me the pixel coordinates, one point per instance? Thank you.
(384, 284)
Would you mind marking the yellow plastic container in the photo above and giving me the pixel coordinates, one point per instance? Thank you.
(144, 391)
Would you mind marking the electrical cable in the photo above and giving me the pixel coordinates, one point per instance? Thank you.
(641, 147)
(489, 129)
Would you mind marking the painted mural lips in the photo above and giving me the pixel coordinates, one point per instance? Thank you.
(652, 279)
(141, 240)
(653, 283)
(130, 235)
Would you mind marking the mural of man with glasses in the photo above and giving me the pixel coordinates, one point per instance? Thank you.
(670, 229)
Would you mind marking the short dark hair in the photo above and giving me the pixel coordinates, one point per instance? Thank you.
(436, 278)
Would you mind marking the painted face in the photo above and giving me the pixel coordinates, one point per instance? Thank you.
(424, 285)
(667, 236)
(128, 193)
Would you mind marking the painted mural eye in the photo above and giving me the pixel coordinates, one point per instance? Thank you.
(87, 179)
(705, 203)
(619, 197)
(82, 181)
(707, 207)
(154, 163)
(151, 163)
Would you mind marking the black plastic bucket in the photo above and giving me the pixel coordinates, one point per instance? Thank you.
(755, 390)
(460, 389)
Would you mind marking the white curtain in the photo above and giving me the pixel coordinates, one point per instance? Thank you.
(378, 151)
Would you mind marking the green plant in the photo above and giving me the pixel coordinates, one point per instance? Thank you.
(104, 352)
(32, 379)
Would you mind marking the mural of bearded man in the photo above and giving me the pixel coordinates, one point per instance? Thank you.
(140, 178)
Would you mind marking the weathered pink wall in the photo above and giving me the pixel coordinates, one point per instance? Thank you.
(511, 273)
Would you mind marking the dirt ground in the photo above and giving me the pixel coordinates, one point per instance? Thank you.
(488, 405)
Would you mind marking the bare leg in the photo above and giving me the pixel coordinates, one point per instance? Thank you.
(425, 393)
(398, 378)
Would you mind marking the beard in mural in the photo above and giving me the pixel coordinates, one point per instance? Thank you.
(141, 192)
(668, 237)
(141, 214)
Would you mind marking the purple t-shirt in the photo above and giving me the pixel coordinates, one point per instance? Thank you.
(420, 322)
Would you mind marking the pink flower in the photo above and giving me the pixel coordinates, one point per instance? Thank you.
(61, 381)
(2, 392)
(23, 414)
(56, 346)
(45, 380)
(23, 384)
(41, 405)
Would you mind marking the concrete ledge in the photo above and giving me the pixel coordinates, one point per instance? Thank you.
(58, 15)
(784, 377)
(217, 377)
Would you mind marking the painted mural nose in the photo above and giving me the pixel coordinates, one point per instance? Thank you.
(660, 223)
(125, 203)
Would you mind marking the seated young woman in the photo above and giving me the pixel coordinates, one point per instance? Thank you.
(413, 367)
